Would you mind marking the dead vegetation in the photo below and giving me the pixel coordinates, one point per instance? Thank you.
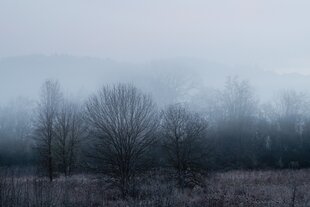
(157, 188)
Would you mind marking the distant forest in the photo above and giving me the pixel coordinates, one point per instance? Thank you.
(226, 129)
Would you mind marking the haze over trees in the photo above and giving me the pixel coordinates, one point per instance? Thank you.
(154, 103)
(241, 130)
(162, 78)
(121, 132)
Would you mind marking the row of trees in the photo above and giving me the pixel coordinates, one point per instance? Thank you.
(116, 128)
(58, 130)
(121, 132)
(248, 134)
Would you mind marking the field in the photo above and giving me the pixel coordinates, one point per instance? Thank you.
(234, 188)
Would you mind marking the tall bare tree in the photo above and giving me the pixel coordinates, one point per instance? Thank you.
(69, 130)
(123, 121)
(47, 109)
(236, 123)
(184, 134)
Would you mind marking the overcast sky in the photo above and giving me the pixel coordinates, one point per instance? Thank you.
(270, 34)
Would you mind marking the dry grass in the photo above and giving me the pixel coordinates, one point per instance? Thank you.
(156, 189)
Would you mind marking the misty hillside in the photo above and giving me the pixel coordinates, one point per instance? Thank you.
(22, 76)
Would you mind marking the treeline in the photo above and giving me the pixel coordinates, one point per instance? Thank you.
(120, 131)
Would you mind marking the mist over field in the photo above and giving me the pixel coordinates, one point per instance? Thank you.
(154, 103)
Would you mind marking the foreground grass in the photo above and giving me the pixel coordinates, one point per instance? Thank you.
(234, 188)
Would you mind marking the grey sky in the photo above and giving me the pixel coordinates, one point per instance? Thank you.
(270, 34)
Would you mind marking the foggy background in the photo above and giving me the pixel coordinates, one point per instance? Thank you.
(85, 44)
(149, 103)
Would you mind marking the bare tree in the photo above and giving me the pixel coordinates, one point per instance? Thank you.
(236, 124)
(69, 130)
(184, 134)
(123, 121)
(47, 110)
(238, 102)
(291, 106)
(291, 109)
